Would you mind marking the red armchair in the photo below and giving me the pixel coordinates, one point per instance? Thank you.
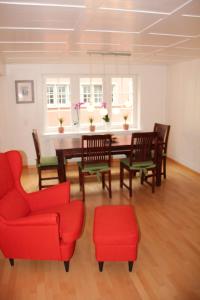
(42, 225)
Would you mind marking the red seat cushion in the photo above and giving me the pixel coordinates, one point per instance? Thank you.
(115, 225)
(71, 219)
(13, 206)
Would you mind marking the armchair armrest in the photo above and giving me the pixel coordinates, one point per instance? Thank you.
(56, 195)
(36, 220)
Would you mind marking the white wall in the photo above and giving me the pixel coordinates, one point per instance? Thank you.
(183, 113)
(20, 119)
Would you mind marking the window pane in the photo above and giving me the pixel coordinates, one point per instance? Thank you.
(122, 99)
(91, 94)
(58, 101)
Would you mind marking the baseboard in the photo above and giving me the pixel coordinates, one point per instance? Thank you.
(183, 166)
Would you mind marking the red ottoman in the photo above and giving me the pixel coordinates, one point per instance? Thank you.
(115, 234)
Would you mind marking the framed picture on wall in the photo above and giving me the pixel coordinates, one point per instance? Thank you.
(24, 90)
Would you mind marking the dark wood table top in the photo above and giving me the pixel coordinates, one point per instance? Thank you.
(74, 144)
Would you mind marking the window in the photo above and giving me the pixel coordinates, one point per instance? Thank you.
(123, 98)
(58, 101)
(91, 91)
(63, 100)
(58, 94)
(98, 94)
(91, 95)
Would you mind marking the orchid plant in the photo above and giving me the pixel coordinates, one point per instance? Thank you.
(77, 107)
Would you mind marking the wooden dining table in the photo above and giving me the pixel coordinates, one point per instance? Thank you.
(69, 147)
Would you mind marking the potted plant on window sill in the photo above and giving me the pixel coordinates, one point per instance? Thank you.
(92, 127)
(125, 125)
(61, 128)
(107, 121)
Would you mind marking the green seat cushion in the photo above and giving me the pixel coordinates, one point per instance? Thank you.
(94, 168)
(48, 161)
(138, 165)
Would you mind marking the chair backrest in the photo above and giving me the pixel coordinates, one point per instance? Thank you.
(96, 149)
(163, 132)
(143, 147)
(36, 144)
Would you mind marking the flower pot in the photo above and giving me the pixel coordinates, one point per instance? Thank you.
(92, 128)
(126, 126)
(61, 129)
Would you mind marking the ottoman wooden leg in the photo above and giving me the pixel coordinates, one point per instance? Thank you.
(130, 266)
(101, 266)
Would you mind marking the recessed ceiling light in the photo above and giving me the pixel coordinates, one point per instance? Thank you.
(172, 34)
(30, 42)
(111, 31)
(42, 4)
(35, 28)
(100, 44)
(135, 11)
(191, 16)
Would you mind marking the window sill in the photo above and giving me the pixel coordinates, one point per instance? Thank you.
(80, 131)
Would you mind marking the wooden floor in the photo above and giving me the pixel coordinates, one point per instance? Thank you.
(168, 264)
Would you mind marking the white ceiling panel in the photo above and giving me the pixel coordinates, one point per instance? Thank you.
(150, 30)
(192, 43)
(193, 8)
(147, 5)
(26, 35)
(33, 16)
(106, 20)
(181, 52)
(178, 25)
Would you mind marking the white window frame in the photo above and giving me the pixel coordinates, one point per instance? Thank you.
(56, 103)
(91, 94)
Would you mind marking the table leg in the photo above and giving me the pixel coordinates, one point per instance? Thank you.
(61, 166)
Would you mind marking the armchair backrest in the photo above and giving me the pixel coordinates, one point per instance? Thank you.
(6, 176)
(12, 203)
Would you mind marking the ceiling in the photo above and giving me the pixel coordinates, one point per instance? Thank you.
(146, 31)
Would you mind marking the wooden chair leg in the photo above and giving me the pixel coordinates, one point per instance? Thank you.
(142, 177)
(130, 183)
(121, 175)
(153, 180)
(100, 266)
(164, 166)
(103, 180)
(40, 178)
(130, 266)
(11, 260)
(66, 265)
(109, 184)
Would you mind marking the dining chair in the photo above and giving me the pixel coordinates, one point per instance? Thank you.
(163, 132)
(95, 160)
(43, 163)
(142, 159)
